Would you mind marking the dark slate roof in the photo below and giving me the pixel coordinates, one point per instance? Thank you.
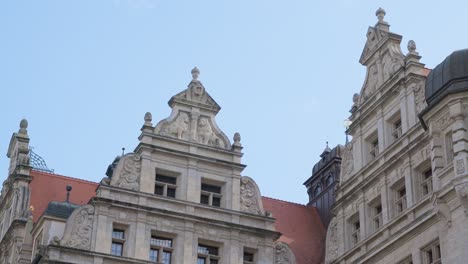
(450, 76)
(60, 209)
(326, 158)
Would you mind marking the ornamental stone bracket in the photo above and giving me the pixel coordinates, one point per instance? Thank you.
(250, 199)
(127, 172)
(442, 210)
(460, 184)
(79, 229)
(193, 117)
(283, 254)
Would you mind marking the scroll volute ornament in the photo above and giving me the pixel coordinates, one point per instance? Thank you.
(79, 228)
(127, 173)
(250, 200)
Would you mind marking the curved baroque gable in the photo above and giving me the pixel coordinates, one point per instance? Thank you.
(127, 173)
(250, 200)
(284, 254)
(79, 228)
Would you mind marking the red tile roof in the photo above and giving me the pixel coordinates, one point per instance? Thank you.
(47, 187)
(301, 229)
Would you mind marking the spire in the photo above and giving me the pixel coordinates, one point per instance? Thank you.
(325, 151)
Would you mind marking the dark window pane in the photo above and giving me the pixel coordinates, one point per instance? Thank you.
(119, 234)
(213, 261)
(166, 179)
(171, 192)
(201, 260)
(159, 189)
(204, 199)
(211, 188)
(116, 249)
(248, 256)
(216, 201)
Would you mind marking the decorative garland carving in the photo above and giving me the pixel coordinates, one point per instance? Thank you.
(250, 201)
(79, 228)
(283, 254)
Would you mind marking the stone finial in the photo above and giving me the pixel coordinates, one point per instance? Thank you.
(23, 126)
(355, 98)
(195, 73)
(237, 138)
(380, 13)
(148, 117)
(411, 46)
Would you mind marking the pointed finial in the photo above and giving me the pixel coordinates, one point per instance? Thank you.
(326, 143)
(411, 46)
(68, 188)
(123, 151)
(23, 126)
(148, 117)
(195, 73)
(380, 13)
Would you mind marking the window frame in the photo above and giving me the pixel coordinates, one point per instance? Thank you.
(161, 248)
(431, 253)
(206, 255)
(118, 240)
(212, 196)
(166, 184)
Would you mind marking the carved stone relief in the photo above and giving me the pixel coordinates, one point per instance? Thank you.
(205, 134)
(179, 128)
(462, 194)
(419, 98)
(79, 228)
(283, 254)
(460, 167)
(442, 123)
(127, 172)
(347, 164)
(250, 200)
(332, 241)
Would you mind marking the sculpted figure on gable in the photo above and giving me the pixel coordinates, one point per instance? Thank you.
(178, 128)
(250, 197)
(127, 172)
(283, 254)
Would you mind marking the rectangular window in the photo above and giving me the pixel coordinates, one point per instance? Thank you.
(373, 148)
(210, 195)
(431, 254)
(408, 260)
(118, 241)
(355, 228)
(160, 250)
(249, 257)
(208, 254)
(426, 182)
(396, 129)
(400, 199)
(376, 214)
(165, 185)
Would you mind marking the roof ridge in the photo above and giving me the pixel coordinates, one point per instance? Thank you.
(63, 176)
(276, 199)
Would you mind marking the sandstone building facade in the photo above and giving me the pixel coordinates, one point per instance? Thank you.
(178, 198)
(402, 195)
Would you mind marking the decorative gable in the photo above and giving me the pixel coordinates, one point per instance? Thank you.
(193, 117)
(381, 55)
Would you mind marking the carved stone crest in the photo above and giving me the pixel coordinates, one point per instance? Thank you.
(250, 201)
(283, 254)
(79, 228)
(127, 172)
(347, 164)
(332, 241)
(179, 128)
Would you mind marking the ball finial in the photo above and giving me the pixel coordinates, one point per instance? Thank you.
(411, 46)
(24, 124)
(148, 117)
(195, 73)
(380, 13)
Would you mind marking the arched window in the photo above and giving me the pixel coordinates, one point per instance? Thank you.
(317, 190)
(329, 180)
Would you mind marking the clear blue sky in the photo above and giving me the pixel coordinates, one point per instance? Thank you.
(84, 73)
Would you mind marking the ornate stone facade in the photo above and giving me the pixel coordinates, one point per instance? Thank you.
(402, 191)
